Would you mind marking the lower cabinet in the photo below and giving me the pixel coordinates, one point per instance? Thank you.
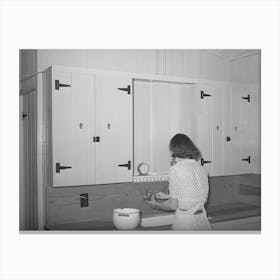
(252, 223)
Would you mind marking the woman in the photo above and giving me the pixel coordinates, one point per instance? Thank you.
(188, 187)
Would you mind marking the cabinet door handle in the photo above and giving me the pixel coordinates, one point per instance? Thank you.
(228, 138)
(128, 165)
(23, 115)
(96, 139)
(204, 161)
(247, 159)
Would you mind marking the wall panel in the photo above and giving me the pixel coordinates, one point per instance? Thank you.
(205, 65)
(28, 62)
(142, 61)
(75, 58)
(246, 69)
(190, 63)
(176, 62)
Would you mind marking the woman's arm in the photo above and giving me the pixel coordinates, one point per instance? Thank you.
(167, 205)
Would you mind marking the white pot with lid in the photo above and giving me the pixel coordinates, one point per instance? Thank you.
(126, 218)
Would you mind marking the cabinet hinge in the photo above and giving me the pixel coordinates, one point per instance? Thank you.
(58, 85)
(204, 161)
(247, 159)
(128, 90)
(58, 167)
(202, 94)
(247, 98)
(23, 115)
(128, 165)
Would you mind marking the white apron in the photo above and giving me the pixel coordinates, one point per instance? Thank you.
(189, 220)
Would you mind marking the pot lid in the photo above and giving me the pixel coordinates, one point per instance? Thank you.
(126, 210)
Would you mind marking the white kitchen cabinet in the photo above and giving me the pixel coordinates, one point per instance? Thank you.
(205, 125)
(248, 130)
(73, 151)
(223, 125)
(241, 126)
(90, 127)
(211, 127)
(229, 129)
(233, 154)
(104, 124)
(217, 130)
(114, 162)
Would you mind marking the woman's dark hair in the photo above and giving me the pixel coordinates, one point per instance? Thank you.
(181, 146)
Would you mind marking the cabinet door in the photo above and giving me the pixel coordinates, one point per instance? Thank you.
(256, 128)
(114, 163)
(205, 127)
(211, 127)
(247, 137)
(217, 130)
(228, 138)
(73, 129)
(235, 144)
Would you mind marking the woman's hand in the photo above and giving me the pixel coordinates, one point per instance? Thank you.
(152, 202)
(162, 195)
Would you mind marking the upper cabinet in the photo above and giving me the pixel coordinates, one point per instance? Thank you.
(73, 128)
(222, 119)
(91, 127)
(103, 125)
(229, 128)
(114, 162)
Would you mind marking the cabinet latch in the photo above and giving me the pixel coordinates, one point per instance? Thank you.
(128, 165)
(202, 94)
(125, 89)
(247, 159)
(96, 139)
(58, 167)
(58, 85)
(247, 98)
(23, 115)
(204, 161)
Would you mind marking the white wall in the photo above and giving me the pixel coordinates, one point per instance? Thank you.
(28, 140)
(185, 63)
(246, 69)
(202, 64)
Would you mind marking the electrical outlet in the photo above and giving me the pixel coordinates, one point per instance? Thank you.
(84, 200)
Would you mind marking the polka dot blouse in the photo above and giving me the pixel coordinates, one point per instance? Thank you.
(188, 182)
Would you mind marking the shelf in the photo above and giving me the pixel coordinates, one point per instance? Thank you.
(150, 178)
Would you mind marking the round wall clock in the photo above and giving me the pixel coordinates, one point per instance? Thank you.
(143, 168)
